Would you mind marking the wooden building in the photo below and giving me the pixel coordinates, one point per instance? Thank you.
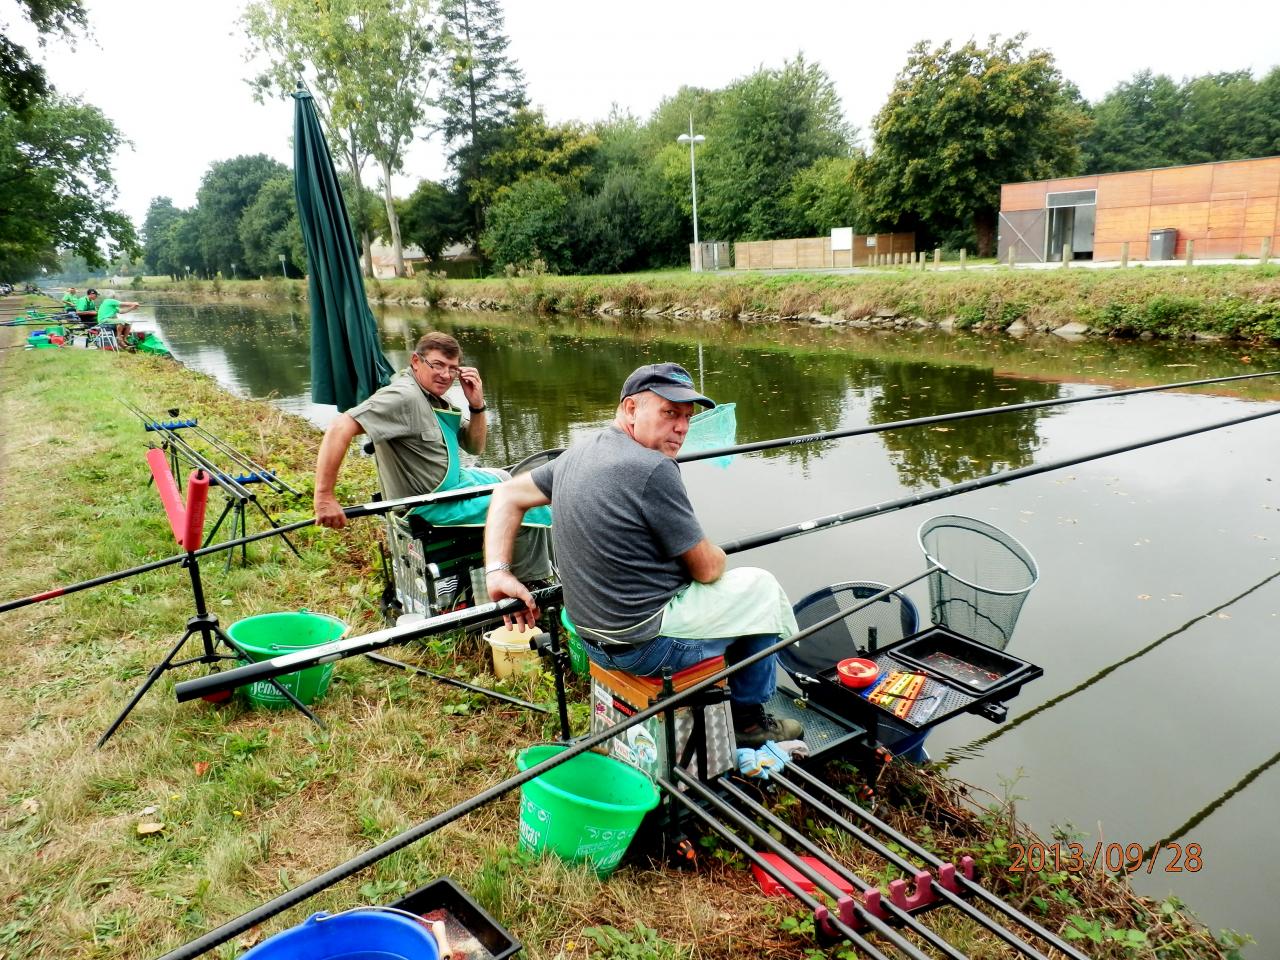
(1226, 208)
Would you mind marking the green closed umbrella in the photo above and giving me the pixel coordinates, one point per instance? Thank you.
(347, 363)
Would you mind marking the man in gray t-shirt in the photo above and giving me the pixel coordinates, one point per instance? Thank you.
(642, 583)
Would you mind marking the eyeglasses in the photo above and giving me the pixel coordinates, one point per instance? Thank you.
(438, 367)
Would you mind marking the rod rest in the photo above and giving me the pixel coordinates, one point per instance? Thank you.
(170, 424)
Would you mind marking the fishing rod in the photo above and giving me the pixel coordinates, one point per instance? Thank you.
(958, 415)
(237, 457)
(354, 646)
(228, 680)
(310, 888)
(974, 747)
(978, 483)
(359, 510)
(377, 507)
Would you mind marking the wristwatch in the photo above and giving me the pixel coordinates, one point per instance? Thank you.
(480, 409)
(498, 567)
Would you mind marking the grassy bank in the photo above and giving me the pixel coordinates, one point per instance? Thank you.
(251, 803)
(1220, 301)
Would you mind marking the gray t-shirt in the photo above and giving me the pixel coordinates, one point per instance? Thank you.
(623, 519)
(400, 420)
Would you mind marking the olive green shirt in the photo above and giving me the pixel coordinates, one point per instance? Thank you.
(407, 440)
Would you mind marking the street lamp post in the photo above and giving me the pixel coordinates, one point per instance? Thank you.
(283, 272)
(233, 271)
(692, 140)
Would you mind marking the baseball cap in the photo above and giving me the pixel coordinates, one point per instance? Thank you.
(668, 380)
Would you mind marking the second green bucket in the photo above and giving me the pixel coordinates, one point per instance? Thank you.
(585, 810)
(272, 634)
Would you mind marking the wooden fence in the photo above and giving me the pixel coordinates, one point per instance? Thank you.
(815, 253)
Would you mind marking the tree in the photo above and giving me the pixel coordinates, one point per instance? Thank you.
(1230, 116)
(1137, 125)
(22, 81)
(531, 147)
(161, 215)
(826, 195)
(1152, 121)
(480, 89)
(269, 227)
(961, 122)
(388, 46)
(306, 41)
(529, 222)
(769, 126)
(56, 186)
(226, 190)
(432, 218)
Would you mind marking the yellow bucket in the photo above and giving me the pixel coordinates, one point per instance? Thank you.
(511, 653)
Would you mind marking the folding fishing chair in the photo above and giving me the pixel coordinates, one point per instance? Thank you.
(105, 339)
(432, 565)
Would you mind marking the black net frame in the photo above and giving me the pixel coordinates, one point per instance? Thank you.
(984, 577)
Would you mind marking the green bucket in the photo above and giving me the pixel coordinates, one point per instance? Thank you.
(269, 635)
(585, 810)
(577, 652)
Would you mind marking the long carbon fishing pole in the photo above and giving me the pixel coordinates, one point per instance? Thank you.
(326, 653)
(310, 888)
(359, 510)
(237, 458)
(370, 509)
(958, 415)
(978, 483)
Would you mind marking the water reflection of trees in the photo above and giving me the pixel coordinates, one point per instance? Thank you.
(549, 380)
(962, 449)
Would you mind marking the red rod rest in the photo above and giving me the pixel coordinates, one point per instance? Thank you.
(167, 487)
(197, 497)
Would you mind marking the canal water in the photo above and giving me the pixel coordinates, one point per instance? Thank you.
(1157, 614)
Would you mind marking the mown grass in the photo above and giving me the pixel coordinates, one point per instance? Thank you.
(252, 802)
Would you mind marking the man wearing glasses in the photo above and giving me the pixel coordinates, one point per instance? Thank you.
(416, 436)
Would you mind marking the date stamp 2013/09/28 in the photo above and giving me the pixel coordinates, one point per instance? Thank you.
(1112, 857)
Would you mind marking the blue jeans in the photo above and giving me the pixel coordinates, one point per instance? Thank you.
(755, 684)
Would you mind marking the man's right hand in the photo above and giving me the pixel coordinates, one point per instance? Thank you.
(329, 512)
(502, 584)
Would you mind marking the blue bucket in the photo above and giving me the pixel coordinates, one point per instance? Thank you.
(371, 934)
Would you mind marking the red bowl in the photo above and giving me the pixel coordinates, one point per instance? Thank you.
(857, 672)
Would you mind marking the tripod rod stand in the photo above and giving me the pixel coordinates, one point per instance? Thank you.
(188, 524)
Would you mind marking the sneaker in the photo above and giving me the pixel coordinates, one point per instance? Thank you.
(753, 727)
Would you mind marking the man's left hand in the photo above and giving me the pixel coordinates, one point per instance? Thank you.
(502, 584)
(472, 386)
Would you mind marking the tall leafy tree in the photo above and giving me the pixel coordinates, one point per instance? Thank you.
(161, 215)
(56, 186)
(432, 218)
(1153, 121)
(269, 227)
(770, 125)
(228, 187)
(22, 81)
(388, 66)
(480, 89)
(960, 122)
(302, 40)
(529, 146)
(1139, 124)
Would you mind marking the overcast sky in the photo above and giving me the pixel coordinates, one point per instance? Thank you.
(170, 73)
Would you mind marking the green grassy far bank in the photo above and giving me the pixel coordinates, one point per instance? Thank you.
(1234, 302)
(251, 803)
